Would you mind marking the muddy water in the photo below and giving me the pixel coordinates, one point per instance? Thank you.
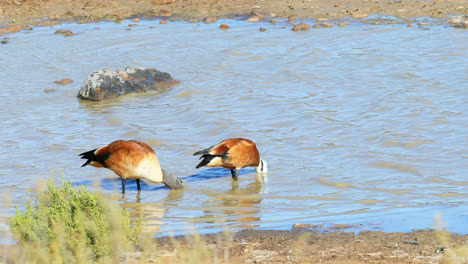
(361, 125)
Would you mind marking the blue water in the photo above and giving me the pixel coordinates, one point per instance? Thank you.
(362, 125)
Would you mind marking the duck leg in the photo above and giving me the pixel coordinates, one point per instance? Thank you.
(235, 174)
(138, 184)
(123, 185)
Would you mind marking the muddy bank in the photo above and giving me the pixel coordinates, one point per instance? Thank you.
(307, 246)
(16, 15)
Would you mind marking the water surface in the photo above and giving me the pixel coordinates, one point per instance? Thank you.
(361, 125)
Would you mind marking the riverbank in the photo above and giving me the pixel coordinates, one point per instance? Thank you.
(309, 246)
(294, 246)
(17, 15)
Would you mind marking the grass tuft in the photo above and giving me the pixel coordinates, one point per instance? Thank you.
(72, 225)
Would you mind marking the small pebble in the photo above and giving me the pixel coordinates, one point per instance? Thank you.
(291, 19)
(64, 32)
(439, 249)
(413, 242)
(209, 20)
(64, 81)
(301, 26)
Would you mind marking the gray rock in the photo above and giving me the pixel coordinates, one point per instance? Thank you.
(107, 84)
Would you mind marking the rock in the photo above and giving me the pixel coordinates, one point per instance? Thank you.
(301, 226)
(136, 20)
(273, 21)
(256, 17)
(106, 84)
(301, 26)
(64, 81)
(224, 26)
(162, 2)
(413, 242)
(164, 13)
(327, 25)
(10, 29)
(317, 26)
(64, 32)
(341, 226)
(291, 19)
(253, 18)
(210, 20)
(459, 22)
(163, 22)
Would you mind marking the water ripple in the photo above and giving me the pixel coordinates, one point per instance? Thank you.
(359, 125)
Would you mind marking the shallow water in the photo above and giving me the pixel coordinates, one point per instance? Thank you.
(361, 125)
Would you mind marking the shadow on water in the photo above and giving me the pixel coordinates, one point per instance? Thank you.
(213, 173)
(238, 205)
(116, 183)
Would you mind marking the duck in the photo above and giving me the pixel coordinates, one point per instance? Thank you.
(233, 154)
(131, 159)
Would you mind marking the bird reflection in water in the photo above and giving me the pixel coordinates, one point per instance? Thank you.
(239, 203)
(152, 212)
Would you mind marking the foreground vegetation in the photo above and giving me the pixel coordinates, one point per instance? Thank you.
(69, 225)
(72, 225)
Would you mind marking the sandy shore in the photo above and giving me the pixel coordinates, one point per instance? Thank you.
(16, 15)
(332, 246)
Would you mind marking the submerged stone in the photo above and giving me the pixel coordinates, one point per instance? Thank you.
(107, 84)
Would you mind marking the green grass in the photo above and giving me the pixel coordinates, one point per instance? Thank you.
(72, 225)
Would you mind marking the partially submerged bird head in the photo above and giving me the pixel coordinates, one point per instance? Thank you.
(262, 167)
(172, 181)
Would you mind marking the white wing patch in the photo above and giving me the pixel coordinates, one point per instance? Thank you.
(215, 162)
